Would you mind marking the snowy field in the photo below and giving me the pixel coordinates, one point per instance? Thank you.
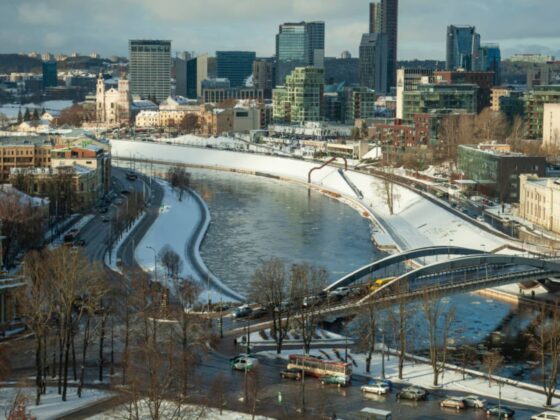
(171, 410)
(51, 405)
(421, 374)
(416, 221)
(175, 227)
(11, 110)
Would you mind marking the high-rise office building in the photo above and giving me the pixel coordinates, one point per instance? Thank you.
(299, 45)
(491, 59)
(236, 66)
(463, 48)
(150, 68)
(181, 74)
(373, 62)
(384, 18)
(50, 74)
(263, 76)
(198, 69)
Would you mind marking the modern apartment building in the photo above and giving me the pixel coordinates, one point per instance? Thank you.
(408, 80)
(299, 44)
(236, 66)
(373, 62)
(535, 99)
(484, 80)
(429, 97)
(300, 100)
(150, 68)
(496, 169)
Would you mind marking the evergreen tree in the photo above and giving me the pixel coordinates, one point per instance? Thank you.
(19, 117)
(27, 115)
(35, 115)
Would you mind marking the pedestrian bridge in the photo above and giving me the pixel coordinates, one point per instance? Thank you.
(397, 259)
(467, 274)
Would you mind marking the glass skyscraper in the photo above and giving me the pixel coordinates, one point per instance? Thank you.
(463, 48)
(491, 59)
(384, 19)
(50, 74)
(299, 45)
(236, 66)
(150, 68)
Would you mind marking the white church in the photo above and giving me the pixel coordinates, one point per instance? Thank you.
(113, 105)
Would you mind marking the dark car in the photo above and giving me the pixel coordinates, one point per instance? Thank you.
(294, 374)
(413, 393)
(502, 412)
(242, 311)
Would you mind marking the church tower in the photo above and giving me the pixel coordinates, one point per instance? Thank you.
(100, 99)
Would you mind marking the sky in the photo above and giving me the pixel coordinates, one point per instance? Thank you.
(204, 26)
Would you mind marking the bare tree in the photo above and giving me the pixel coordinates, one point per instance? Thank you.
(400, 320)
(36, 303)
(490, 125)
(367, 327)
(271, 288)
(171, 261)
(179, 179)
(545, 343)
(190, 123)
(438, 322)
(491, 361)
(307, 282)
(467, 355)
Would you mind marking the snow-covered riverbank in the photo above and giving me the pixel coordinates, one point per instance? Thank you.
(415, 222)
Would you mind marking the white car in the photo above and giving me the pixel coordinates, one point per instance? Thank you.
(375, 388)
(547, 415)
(474, 401)
(340, 292)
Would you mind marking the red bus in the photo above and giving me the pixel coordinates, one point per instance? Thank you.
(320, 368)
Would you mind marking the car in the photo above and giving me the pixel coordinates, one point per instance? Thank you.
(103, 210)
(125, 192)
(105, 220)
(412, 393)
(453, 402)
(475, 401)
(375, 388)
(311, 301)
(339, 292)
(294, 374)
(244, 363)
(547, 415)
(340, 381)
(242, 311)
(385, 382)
(80, 242)
(501, 412)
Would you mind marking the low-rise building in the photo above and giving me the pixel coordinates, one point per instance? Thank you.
(23, 152)
(539, 201)
(496, 169)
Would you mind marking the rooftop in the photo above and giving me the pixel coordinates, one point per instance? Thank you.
(24, 140)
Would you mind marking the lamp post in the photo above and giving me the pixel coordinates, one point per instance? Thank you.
(155, 261)
(382, 330)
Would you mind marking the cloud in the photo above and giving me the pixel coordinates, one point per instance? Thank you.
(207, 25)
(35, 13)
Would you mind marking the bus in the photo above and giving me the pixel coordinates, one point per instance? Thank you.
(380, 282)
(320, 368)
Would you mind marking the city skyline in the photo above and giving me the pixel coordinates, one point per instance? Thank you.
(61, 26)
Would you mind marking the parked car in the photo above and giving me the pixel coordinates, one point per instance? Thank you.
(294, 374)
(80, 242)
(385, 382)
(453, 402)
(105, 220)
(475, 401)
(334, 380)
(547, 415)
(242, 311)
(244, 363)
(413, 393)
(375, 388)
(311, 301)
(502, 412)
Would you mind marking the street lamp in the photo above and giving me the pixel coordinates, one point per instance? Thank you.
(449, 249)
(382, 330)
(155, 261)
